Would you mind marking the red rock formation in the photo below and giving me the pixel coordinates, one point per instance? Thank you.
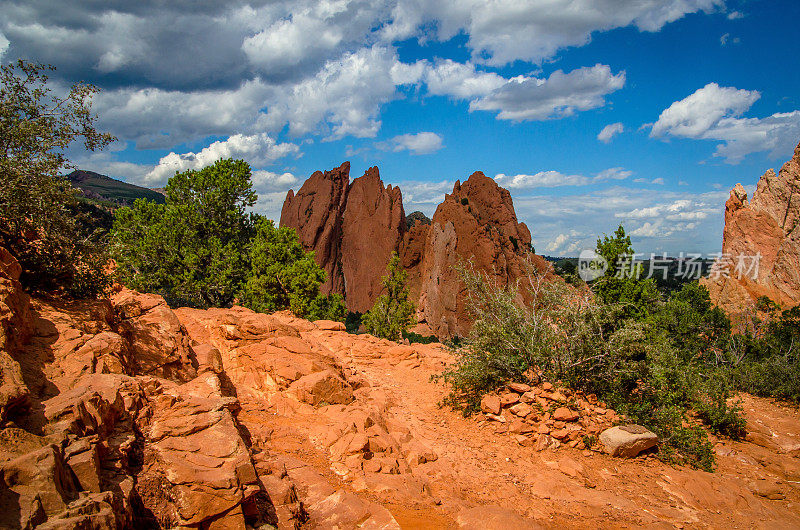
(412, 252)
(294, 424)
(353, 228)
(767, 226)
(16, 325)
(372, 228)
(475, 223)
(316, 213)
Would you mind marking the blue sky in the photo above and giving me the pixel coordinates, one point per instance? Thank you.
(693, 96)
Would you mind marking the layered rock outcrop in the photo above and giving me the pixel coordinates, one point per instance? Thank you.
(476, 223)
(353, 229)
(761, 243)
(140, 416)
(372, 228)
(107, 424)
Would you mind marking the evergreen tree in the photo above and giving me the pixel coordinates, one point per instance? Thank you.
(193, 248)
(623, 281)
(391, 315)
(284, 276)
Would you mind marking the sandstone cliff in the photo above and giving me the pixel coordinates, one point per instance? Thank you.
(372, 228)
(353, 228)
(316, 213)
(475, 223)
(767, 226)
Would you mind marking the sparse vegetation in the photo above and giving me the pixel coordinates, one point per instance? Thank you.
(201, 248)
(282, 275)
(193, 249)
(391, 315)
(416, 338)
(765, 360)
(654, 361)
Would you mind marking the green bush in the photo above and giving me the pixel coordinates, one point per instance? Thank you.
(282, 275)
(416, 338)
(352, 321)
(202, 248)
(766, 361)
(37, 204)
(391, 315)
(193, 248)
(642, 369)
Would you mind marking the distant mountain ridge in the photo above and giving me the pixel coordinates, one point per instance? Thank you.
(104, 188)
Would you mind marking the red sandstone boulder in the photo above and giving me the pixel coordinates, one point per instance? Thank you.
(194, 451)
(322, 387)
(159, 346)
(16, 326)
(765, 226)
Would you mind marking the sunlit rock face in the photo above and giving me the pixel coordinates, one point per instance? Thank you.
(761, 243)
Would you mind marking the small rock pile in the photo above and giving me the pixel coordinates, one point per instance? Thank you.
(545, 417)
(365, 442)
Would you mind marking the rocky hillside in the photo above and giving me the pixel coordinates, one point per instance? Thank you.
(100, 187)
(767, 226)
(123, 413)
(354, 227)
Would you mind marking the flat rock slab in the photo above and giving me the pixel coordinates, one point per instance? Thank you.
(628, 440)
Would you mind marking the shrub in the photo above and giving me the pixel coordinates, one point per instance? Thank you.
(193, 248)
(637, 368)
(353, 321)
(765, 361)
(416, 338)
(391, 315)
(622, 282)
(284, 276)
(37, 204)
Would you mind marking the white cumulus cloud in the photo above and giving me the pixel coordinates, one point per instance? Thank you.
(695, 115)
(561, 94)
(503, 31)
(258, 150)
(461, 80)
(613, 173)
(609, 131)
(421, 143)
(714, 113)
(344, 97)
(4, 44)
(542, 179)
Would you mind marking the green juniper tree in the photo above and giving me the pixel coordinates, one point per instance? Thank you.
(391, 315)
(202, 248)
(284, 276)
(193, 248)
(623, 281)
